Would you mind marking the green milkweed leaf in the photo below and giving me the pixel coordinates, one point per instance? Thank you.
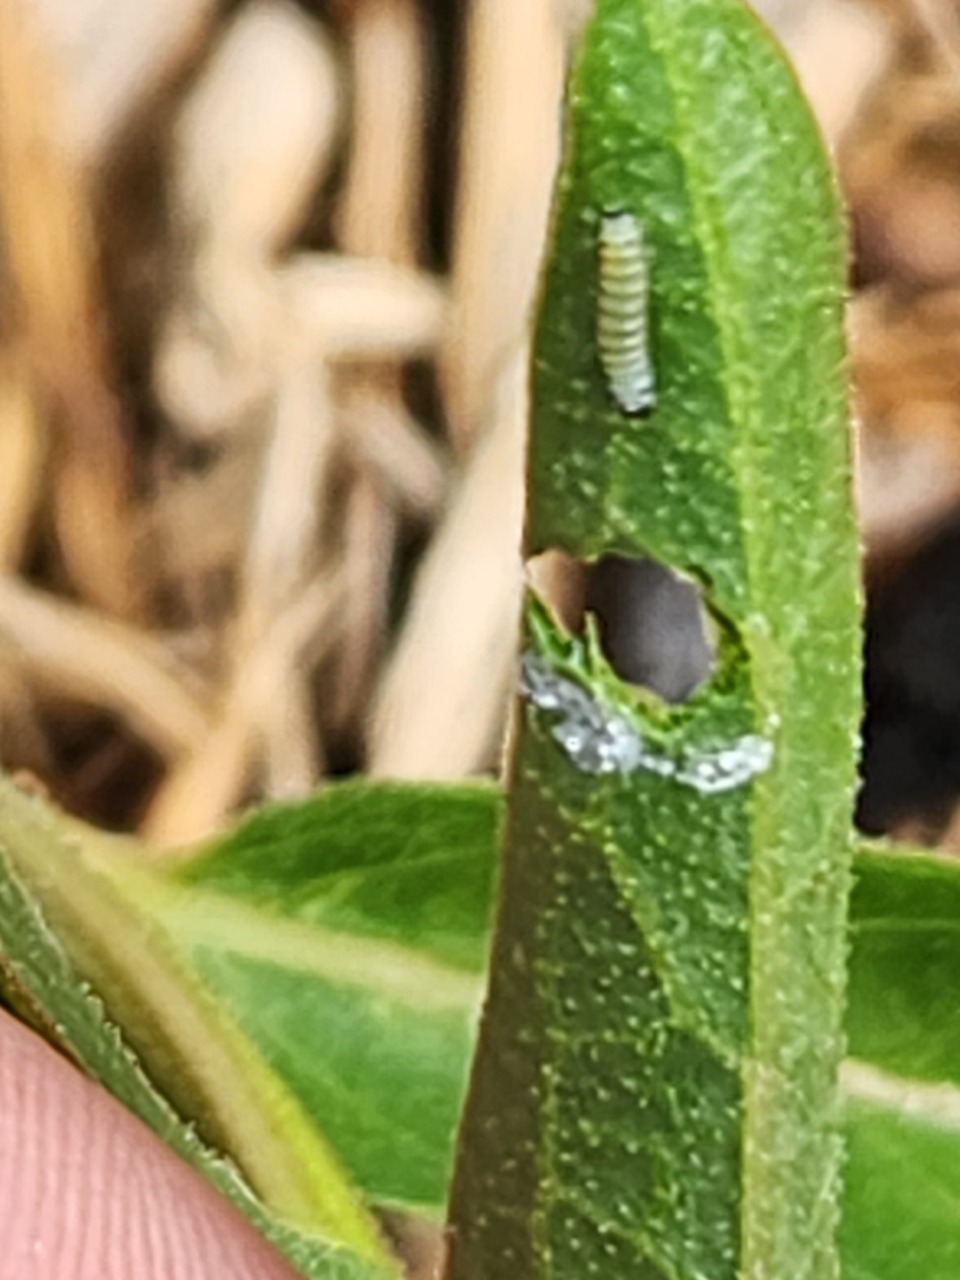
(653, 1089)
(415, 865)
(348, 936)
(901, 1083)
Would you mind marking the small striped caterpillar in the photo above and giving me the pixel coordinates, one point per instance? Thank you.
(623, 313)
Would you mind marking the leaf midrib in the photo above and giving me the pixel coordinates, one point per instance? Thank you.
(387, 969)
(935, 1104)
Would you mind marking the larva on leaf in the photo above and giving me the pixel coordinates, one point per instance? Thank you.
(623, 313)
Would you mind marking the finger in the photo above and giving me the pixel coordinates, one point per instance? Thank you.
(89, 1193)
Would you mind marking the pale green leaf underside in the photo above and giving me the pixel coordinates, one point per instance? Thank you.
(348, 937)
(57, 913)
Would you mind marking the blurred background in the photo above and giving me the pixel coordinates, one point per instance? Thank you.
(265, 278)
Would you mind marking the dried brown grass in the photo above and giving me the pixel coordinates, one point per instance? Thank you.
(261, 506)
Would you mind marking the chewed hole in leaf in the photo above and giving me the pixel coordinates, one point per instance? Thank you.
(653, 633)
(652, 625)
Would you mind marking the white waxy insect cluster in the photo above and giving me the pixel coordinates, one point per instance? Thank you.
(601, 741)
(623, 313)
(596, 740)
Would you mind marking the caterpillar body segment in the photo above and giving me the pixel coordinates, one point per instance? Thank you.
(623, 313)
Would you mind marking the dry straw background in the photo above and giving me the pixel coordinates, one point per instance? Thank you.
(266, 271)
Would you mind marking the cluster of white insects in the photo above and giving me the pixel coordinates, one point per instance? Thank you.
(600, 741)
(623, 313)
